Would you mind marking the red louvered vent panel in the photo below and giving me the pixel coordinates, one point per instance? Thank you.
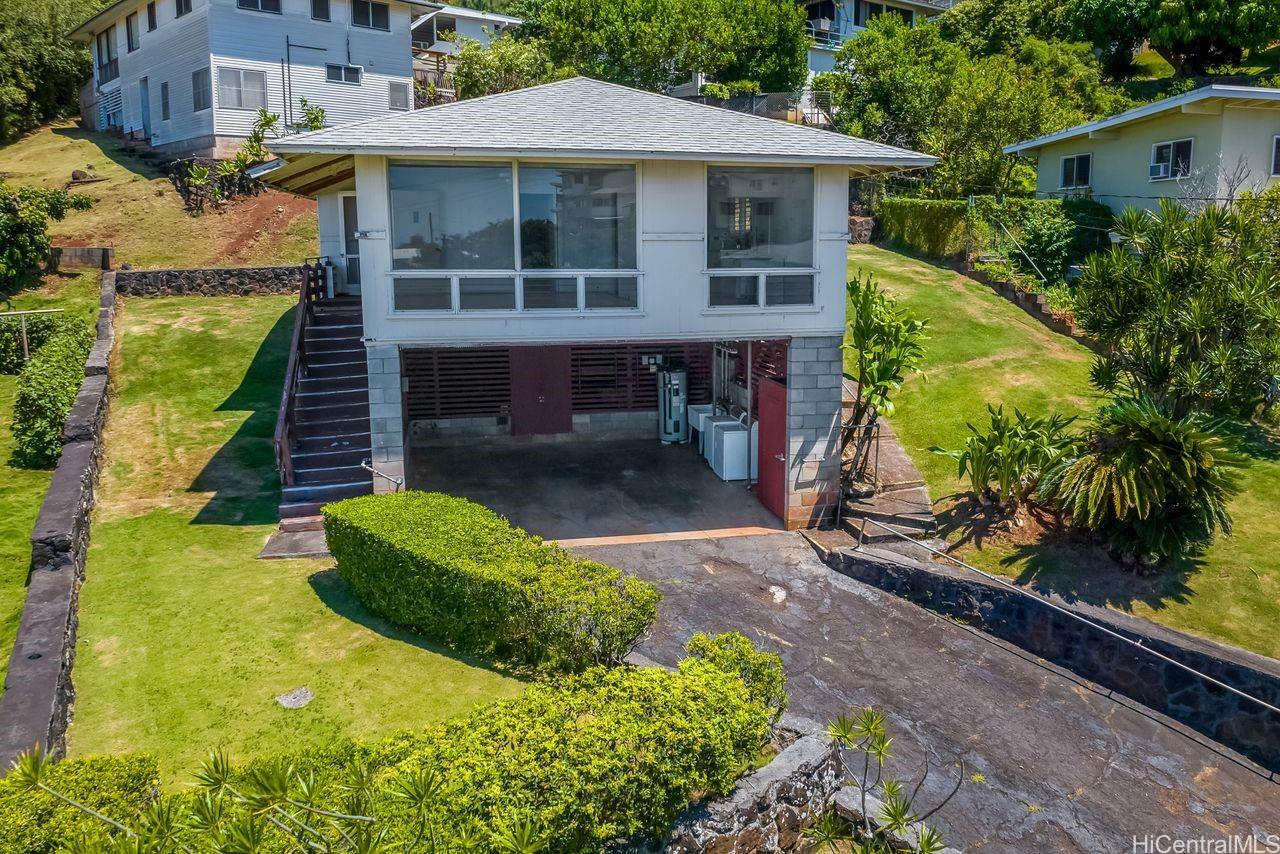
(610, 377)
(457, 382)
(768, 361)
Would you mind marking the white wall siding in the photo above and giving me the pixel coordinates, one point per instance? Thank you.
(256, 41)
(672, 259)
(169, 54)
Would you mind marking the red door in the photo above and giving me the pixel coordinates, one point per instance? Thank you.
(771, 487)
(540, 391)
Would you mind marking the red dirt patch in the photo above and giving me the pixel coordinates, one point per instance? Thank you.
(271, 211)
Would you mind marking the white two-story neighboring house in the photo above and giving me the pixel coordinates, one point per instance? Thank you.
(833, 22)
(525, 261)
(190, 75)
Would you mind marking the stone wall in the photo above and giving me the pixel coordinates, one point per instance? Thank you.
(1029, 621)
(815, 373)
(386, 414)
(93, 257)
(36, 705)
(211, 282)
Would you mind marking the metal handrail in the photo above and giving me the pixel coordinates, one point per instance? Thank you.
(367, 465)
(312, 291)
(1075, 616)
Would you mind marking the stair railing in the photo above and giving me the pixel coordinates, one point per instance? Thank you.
(312, 291)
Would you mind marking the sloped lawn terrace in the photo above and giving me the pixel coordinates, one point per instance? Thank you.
(984, 349)
(186, 639)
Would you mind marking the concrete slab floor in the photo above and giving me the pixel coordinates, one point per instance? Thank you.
(1064, 766)
(593, 489)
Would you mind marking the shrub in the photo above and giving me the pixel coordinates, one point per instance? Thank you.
(1155, 485)
(38, 823)
(39, 329)
(605, 754)
(47, 387)
(1005, 463)
(933, 227)
(24, 228)
(460, 574)
(761, 672)
(1047, 237)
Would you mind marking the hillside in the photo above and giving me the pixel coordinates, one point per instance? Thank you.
(137, 210)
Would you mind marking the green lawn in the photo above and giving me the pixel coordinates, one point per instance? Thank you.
(983, 349)
(186, 639)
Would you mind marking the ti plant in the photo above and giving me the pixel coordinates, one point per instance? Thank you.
(887, 820)
(887, 345)
(1005, 462)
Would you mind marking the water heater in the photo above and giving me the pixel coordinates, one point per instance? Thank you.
(673, 406)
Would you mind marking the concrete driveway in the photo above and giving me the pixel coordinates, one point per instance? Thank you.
(1063, 766)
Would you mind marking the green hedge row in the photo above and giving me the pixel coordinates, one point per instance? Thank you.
(587, 759)
(933, 227)
(460, 574)
(47, 387)
(39, 329)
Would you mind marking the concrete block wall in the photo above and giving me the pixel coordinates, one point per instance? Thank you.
(600, 426)
(814, 378)
(386, 414)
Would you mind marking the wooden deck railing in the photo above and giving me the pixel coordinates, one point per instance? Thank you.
(312, 291)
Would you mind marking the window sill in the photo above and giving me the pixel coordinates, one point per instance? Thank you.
(508, 314)
(762, 309)
(375, 29)
(342, 82)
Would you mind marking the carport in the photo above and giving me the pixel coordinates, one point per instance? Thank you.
(563, 439)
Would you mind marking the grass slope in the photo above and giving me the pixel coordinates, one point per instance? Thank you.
(983, 349)
(137, 211)
(186, 638)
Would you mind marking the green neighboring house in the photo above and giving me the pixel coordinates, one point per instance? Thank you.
(1210, 143)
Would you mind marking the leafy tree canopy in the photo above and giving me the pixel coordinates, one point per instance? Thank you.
(660, 43)
(41, 70)
(504, 64)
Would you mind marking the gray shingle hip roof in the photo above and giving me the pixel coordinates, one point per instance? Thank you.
(589, 118)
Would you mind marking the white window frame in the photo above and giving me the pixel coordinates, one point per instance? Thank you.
(370, 25)
(519, 274)
(1171, 143)
(222, 104)
(257, 7)
(181, 7)
(153, 17)
(1076, 157)
(1275, 142)
(760, 272)
(345, 68)
(132, 32)
(408, 102)
(165, 112)
(328, 11)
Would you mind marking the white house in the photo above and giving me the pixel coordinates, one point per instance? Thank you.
(523, 260)
(1205, 145)
(833, 22)
(190, 75)
(437, 35)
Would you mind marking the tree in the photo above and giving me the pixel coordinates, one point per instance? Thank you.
(41, 70)
(986, 27)
(1116, 28)
(1193, 35)
(501, 66)
(25, 213)
(1188, 310)
(660, 43)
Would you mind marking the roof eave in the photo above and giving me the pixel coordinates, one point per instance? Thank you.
(912, 161)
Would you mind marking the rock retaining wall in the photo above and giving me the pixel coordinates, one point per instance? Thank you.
(36, 705)
(1029, 621)
(211, 282)
(93, 257)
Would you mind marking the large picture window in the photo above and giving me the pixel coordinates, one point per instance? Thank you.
(759, 219)
(240, 89)
(577, 217)
(452, 217)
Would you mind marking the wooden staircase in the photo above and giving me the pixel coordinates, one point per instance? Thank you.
(322, 435)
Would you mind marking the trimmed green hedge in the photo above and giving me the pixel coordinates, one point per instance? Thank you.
(47, 388)
(934, 227)
(40, 327)
(460, 574)
(586, 759)
(38, 823)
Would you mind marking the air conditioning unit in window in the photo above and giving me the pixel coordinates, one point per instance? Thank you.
(1159, 170)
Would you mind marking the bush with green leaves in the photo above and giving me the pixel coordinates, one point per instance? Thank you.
(47, 388)
(937, 228)
(567, 766)
(462, 575)
(1046, 239)
(25, 213)
(1156, 485)
(1004, 463)
(40, 328)
(1187, 309)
